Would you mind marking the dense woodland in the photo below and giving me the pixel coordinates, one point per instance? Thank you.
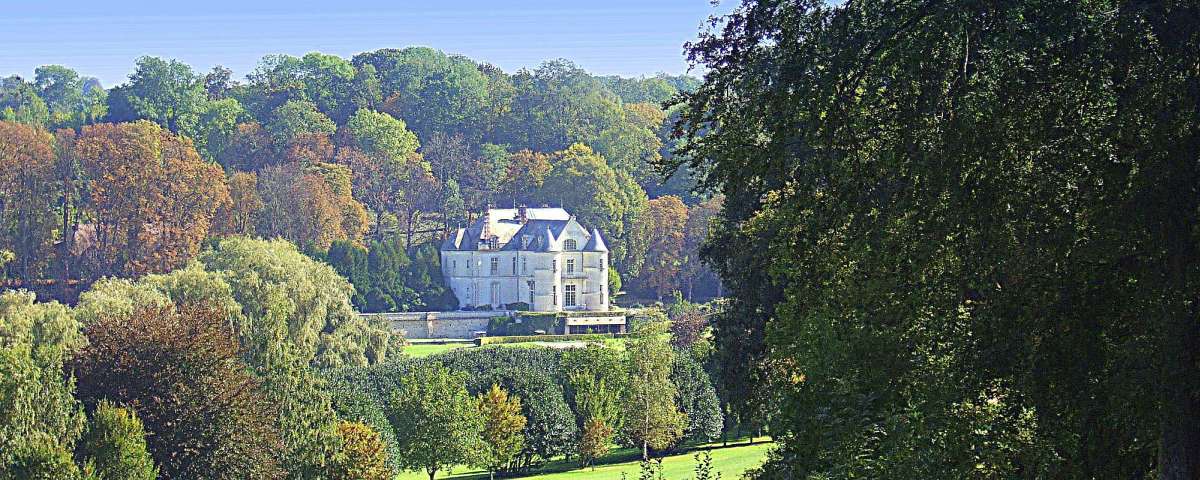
(365, 162)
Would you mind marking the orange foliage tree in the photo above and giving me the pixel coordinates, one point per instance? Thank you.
(150, 197)
(28, 190)
(664, 257)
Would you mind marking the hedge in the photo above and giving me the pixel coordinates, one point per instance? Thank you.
(542, 338)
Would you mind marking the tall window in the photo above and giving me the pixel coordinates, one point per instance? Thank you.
(493, 242)
(569, 244)
(570, 265)
(554, 265)
(554, 294)
(514, 265)
(524, 266)
(495, 265)
(569, 295)
(531, 284)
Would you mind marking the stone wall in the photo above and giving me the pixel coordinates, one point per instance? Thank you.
(439, 324)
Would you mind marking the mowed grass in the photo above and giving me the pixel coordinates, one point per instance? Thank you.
(418, 350)
(731, 462)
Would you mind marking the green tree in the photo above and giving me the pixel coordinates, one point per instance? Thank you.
(19, 102)
(114, 445)
(503, 427)
(382, 134)
(294, 119)
(436, 421)
(912, 189)
(652, 419)
(166, 92)
(594, 441)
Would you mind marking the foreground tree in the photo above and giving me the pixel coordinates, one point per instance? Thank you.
(436, 421)
(664, 256)
(363, 456)
(115, 445)
(28, 190)
(966, 233)
(503, 427)
(179, 369)
(652, 419)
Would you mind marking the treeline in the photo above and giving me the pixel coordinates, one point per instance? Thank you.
(961, 239)
(388, 149)
(251, 363)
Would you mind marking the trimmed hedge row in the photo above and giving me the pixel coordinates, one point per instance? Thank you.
(542, 338)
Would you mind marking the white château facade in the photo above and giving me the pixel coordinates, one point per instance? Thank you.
(539, 256)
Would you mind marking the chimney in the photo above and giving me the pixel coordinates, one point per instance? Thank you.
(522, 214)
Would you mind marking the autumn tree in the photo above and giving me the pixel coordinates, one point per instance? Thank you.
(205, 415)
(692, 269)
(238, 217)
(526, 173)
(28, 192)
(151, 198)
(363, 455)
(503, 428)
(249, 149)
(664, 256)
(436, 421)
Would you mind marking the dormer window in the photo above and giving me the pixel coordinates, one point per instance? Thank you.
(493, 242)
(569, 244)
(525, 239)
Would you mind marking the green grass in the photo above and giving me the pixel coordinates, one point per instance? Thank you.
(731, 462)
(418, 350)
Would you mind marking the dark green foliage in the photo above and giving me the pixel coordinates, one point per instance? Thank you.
(526, 324)
(115, 445)
(425, 277)
(966, 232)
(696, 398)
(532, 374)
(355, 396)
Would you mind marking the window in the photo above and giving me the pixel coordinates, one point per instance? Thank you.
(525, 241)
(570, 265)
(514, 265)
(493, 242)
(495, 265)
(554, 265)
(524, 266)
(454, 266)
(554, 294)
(496, 294)
(569, 244)
(569, 295)
(531, 293)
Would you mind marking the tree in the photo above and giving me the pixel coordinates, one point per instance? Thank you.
(115, 445)
(151, 198)
(692, 269)
(300, 207)
(28, 191)
(363, 455)
(19, 102)
(597, 380)
(296, 118)
(379, 133)
(238, 217)
(594, 441)
(179, 369)
(291, 301)
(166, 92)
(941, 183)
(40, 420)
(249, 149)
(503, 427)
(526, 174)
(664, 255)
(652, 419)
(436, 421)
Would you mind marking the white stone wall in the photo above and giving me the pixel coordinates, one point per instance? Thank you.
(469, 275)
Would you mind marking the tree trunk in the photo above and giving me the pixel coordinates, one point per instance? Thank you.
(431, 473)
(645, 450)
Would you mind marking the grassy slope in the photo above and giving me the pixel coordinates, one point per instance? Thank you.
(418, 350)
(730, 461)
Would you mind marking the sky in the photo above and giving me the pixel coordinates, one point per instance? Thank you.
(102, 38)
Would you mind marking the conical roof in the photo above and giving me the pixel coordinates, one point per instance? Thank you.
(595, 243)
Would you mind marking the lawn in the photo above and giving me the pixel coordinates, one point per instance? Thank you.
(418, 350)
(730, 461)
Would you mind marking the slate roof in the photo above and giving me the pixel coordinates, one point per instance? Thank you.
(543, 227)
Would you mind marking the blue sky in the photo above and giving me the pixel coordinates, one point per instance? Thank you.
(102, 38)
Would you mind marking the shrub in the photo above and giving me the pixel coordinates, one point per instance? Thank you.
(543, 338)
(696, 398)
(594, 441)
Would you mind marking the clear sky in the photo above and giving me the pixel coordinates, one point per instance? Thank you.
(102, 38)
